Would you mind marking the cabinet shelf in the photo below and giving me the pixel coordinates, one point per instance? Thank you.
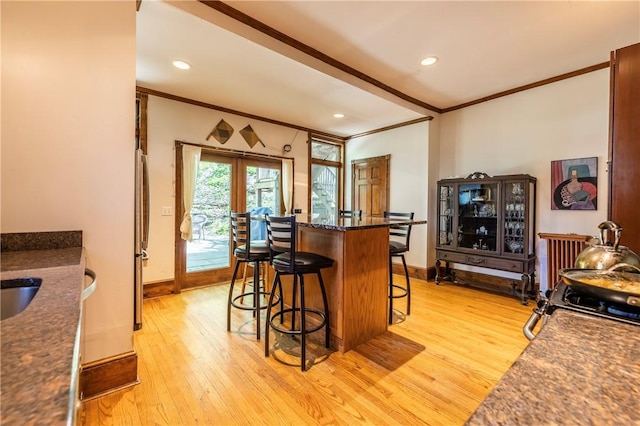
(478, 217)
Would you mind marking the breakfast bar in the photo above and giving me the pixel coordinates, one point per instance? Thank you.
(358, 283)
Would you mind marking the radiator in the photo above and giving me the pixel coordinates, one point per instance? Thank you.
(562, 250)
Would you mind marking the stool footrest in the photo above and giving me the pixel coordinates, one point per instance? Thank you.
(283, 330)
(244, 307)
(403, 292)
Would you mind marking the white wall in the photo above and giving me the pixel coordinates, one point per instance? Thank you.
(524, 132)
(68, 108)
(409, 176)
(169, 121)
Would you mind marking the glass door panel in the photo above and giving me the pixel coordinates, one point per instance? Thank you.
(514, 217)
(445, 219)
(212, 203)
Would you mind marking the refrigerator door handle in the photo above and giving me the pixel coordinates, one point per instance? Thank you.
(145, 198)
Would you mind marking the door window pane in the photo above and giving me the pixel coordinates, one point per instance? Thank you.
(263, 189)
(263, 197)
(210, 217)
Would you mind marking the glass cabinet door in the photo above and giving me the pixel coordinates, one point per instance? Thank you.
(478, 216)
(445, 215)
(514, 205)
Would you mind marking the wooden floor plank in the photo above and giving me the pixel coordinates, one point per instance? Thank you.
(433, 367)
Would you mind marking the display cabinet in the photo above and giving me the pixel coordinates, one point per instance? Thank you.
(488, 222)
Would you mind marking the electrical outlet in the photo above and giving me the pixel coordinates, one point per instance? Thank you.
(167, 211)
(297, 211)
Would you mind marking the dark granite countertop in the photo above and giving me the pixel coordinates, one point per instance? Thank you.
(39, 369)
(579, 370)
(351, 224)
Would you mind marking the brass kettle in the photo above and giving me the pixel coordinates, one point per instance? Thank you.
(604, 255)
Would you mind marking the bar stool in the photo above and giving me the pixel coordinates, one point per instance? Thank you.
(355, 214)
(286, 260)
(258, 232)
(398, 246)
(247, 252)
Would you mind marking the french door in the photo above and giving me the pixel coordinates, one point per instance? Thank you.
(224, 183)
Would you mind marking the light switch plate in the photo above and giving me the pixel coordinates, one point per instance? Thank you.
(167, 211)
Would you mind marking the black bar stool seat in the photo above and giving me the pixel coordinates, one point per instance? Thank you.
(396, 247)
(305, 262)
(258, 249)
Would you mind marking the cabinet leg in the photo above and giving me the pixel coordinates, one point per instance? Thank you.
(527, 282)
(438, 271)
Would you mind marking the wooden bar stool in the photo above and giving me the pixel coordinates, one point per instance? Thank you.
(399, 236)
(281, 236)
(247, 252)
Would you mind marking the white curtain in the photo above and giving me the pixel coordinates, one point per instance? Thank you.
(190, 161)
(287, 184)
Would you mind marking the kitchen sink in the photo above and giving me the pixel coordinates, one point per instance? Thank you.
(16, 294)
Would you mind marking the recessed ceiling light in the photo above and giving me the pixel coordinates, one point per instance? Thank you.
(429, 60)
(181, 65)
(338, 115)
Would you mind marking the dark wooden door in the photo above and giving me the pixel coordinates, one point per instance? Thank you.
(370, 185)
(624, 146)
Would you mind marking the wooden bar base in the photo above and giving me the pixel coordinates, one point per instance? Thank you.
(357, 284)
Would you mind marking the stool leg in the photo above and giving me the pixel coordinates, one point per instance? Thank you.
(303, 327)
(327, 331)
(390, 290)
(244, 281)
(263, 275)
(256, 296)
(294, 300)
(406, 275)
(267, 324)
(233, 280)
(281, 297)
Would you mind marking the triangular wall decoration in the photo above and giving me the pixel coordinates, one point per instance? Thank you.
(222, 132)
(250, 136)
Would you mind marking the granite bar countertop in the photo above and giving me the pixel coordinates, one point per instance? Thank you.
(351, 224)
(38, 370)
(579, 370)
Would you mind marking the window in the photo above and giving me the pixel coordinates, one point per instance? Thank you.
(325, 177)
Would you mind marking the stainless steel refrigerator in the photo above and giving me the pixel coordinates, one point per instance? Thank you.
(141, 232)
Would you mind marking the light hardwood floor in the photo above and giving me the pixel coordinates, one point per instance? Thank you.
(433, 367)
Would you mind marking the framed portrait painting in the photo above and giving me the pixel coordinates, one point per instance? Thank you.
(574, 184)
